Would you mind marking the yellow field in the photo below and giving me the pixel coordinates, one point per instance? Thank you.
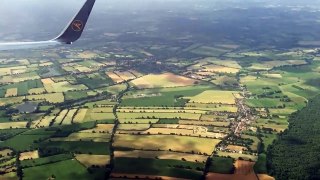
(100, 128)
(82, 68)
(236, 148)
(88, 160)
(95, 137)
(204, 123)
(126, 75)
(29, 155)
(161, 155)
(134, 127)
(9, 176)
(8, 70)
(136, 73)
(47, 81)
(98, 116)
(157, 110)
(45, 121)
(11, 92)
(115, 78)
(79, 117)
(213, 96)
(221, 69)
(87, 55)
(69, 116)
(166, 142)
(36, 91)
(102, 110)
(162, 80)
(278, 76)
(46, 64)
(197, 131)
(51, 98)
(138, 121)
(4, 153)
(238, 155)
(19, 71)
(61, 116)
(13, 125)
(226, 63)
(63, 87)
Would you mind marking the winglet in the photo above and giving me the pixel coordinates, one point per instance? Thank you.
(75, 28)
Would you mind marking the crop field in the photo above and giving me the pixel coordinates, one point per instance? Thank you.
(224, 81)
(87, 55)
(69, 116)
(138, 121)
(89, 160)
(162, 80)
(85, 136)
(36, 91)
(44, 122)
(160, 110)
(214, 97)
(115, 78)
(209, 51)
(222, 165)
(182, 132)
(64, 86)
(212, 107)
(60, 117)
(221, 69)
(157, 167)
(80, 115)
(25, 141)
(60, 170)
(226, 63)
(14, 125)
(264, 102)
(134, 127)
(100, 128)
(116, 88)
(158, 115)
(153, 104)
(126, 75)
(51, 98)
(76, 95)
(29, 155)
(238, 155)
(175, 143)
(162, 155)
(92, 116)
(95, 80)
(11, 92)
(161, 97)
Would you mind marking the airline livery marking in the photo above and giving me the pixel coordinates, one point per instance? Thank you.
(77, 25)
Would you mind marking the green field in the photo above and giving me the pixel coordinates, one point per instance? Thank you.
(58, 170)
(173, 168)
(222, 165)
(162, 97)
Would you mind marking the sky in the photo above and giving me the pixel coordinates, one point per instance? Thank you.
(48, 17)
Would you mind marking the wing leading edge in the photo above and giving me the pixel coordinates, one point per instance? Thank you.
(69, 35)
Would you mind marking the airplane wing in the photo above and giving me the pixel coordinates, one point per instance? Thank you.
(69, 35)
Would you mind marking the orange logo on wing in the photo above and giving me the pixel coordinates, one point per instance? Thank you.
(77, 25)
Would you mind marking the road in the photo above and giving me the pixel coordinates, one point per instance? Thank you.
(245, 116)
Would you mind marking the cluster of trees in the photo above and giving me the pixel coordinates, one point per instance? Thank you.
(295, 155)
